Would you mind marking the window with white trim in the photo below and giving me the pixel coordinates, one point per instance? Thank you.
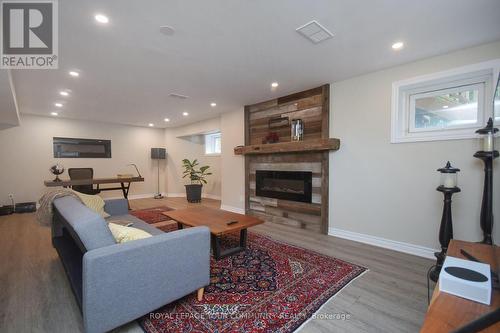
(213, 143)
(443, 106)
(496, 102)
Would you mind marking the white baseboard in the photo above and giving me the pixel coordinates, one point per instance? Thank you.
(211, 196)
(203, 195)
(176, 195)
(232, 209)
(421, 251)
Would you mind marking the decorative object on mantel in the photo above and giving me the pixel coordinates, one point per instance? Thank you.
(448, 186)
(272, 137)
(57, 170)
(197, 178)
(488, 154)
(297, 130)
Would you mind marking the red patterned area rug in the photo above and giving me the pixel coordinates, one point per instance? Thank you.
(271, 287)
(152, 215)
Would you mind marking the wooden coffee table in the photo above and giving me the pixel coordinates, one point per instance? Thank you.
(220, 222)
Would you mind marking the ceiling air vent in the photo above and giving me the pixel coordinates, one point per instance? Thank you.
(174, 95)
(314, 31)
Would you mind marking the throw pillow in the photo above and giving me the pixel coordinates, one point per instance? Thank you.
(94, 202)
(124, 234)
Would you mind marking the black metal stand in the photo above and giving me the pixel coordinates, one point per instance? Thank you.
(215, 244)
(486, 219)
(445, 230)
(158, 194)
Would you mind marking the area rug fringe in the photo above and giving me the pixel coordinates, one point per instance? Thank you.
(333, 296)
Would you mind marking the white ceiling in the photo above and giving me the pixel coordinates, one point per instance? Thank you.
(230, 51)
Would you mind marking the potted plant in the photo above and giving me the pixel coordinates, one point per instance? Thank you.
(197, 178)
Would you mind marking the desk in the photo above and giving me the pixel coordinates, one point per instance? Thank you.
(124, 183)
(448, 312)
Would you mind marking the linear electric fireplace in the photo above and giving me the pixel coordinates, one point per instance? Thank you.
(287, 185)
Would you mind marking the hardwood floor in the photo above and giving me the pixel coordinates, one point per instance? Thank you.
(35, 295)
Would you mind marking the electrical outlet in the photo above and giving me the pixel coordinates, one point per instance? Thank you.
(11, 196)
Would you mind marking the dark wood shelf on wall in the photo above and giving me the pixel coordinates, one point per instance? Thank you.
(289, 147)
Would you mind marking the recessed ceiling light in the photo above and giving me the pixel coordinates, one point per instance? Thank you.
(167, 120)
(445, 106)
(185, 114)
(64, 93)
(101, 18)
(398, 45)
(151, 124)
(274, 84)
(213, 104)
(59, 105)
(54, 114)
(74, 73)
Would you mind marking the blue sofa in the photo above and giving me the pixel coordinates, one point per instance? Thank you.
(117, 283)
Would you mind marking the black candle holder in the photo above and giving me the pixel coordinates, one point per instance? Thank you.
(448, 188)
(487, 156)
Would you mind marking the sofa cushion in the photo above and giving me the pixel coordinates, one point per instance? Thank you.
(125, 234)
(94, 202)
(136, 223)
(89, 226)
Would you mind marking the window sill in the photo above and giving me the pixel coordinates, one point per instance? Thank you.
(437, 137)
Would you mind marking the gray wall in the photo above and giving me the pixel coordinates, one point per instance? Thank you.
(188, 142)
(388, 190)
(26, 155)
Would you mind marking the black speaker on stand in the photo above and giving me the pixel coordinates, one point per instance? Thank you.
(158, 154)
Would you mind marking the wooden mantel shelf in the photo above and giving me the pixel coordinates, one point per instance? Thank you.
(289, 147)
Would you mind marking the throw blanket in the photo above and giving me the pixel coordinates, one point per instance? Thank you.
(44, 213)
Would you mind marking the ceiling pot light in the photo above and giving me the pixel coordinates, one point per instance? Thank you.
(445, 106)
(213, 104)
(151, 124)
(398, 45)
(59, 105)
(274, 84)
(101, 18)
(166, 119)
(54, 114)
(74, 73)
(185, 114)
(64, 93)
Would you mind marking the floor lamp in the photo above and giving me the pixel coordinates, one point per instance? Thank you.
(158, 154)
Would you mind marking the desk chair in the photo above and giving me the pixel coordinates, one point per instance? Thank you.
(83, 173)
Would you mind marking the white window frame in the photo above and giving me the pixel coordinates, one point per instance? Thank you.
(210, 141)
(482, 74)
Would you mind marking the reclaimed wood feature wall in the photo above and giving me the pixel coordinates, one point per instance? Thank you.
(312, 106)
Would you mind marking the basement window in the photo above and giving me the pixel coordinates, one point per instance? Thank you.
(443, 106)
(213, 144)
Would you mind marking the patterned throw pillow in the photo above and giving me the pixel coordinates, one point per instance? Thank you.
(94, 202)
(124, 234)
